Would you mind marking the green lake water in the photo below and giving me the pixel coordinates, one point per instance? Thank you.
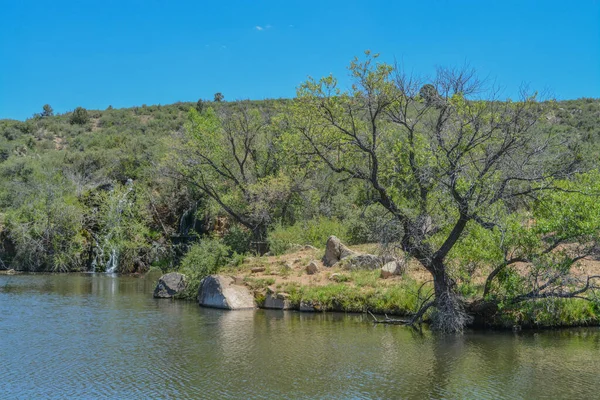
(104, 336)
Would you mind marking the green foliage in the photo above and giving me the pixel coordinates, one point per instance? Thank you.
(238, 239)
(47, 111)
(398, 299)
(202, 259)
(552, 313)
(313, 232)
(80, 116)
(123, 221)
(45, 225)
(200, 106)
(219, 97)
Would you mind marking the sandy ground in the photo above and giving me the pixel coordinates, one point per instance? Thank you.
(291, 268)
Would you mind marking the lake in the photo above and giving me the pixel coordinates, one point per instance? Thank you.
(104, 336)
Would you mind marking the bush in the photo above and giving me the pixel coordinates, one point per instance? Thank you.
(238, 239)
(203, 259)
(314, 232)
(80, 116)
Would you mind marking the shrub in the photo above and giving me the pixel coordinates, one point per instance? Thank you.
(314, 232)
(203, 259)
(238, 239)
(80, 116)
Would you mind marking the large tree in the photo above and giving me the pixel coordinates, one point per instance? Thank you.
(233, 156)
(444, 158)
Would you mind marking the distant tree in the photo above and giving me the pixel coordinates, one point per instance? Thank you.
(47, 111)
(219, 96)
(200, 105)
(429, 93)
(80, 116)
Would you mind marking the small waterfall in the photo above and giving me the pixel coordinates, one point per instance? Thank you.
(108, 240)
(113, 262)
(188, 220)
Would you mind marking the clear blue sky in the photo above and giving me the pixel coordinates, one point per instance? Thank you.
(125, 53)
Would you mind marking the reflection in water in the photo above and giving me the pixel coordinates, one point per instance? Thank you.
(98, 335)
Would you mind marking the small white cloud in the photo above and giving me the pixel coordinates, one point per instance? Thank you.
(259, 28)
(268, 27)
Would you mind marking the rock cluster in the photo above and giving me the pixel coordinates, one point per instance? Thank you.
(336, 253)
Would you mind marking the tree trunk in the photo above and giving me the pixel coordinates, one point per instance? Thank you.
(449, 315)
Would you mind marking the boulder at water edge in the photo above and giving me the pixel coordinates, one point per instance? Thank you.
(219, 291)
(169, 285)
(277, 301)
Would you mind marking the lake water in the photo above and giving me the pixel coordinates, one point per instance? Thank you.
(103, 336)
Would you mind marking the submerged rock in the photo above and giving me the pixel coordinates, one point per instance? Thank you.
(219, 291)
(335, 251)
(169, 285)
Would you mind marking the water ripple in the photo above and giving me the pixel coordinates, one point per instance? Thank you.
(97, 336)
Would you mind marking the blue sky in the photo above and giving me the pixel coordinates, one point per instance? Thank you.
(125, 53)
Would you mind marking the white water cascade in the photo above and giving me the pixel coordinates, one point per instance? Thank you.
(113, 262)
(108, 239)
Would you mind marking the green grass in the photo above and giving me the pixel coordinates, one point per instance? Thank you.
(551, 313)
(397, 299)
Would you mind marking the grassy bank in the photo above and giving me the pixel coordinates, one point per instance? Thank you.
(335, 289)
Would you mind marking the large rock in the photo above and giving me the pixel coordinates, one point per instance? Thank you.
(277, 301)
(361, 261)
(392, 268)
(219, 291)
(169, 285)
(335, 251)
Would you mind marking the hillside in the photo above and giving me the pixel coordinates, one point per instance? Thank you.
(60, 180)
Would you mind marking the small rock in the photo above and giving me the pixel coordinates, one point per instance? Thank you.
(306, 306)
(257, 269)
(337, 277)
(238, 280)
(169, 285)
(392, 268)
(309, 247)
(312, 268)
